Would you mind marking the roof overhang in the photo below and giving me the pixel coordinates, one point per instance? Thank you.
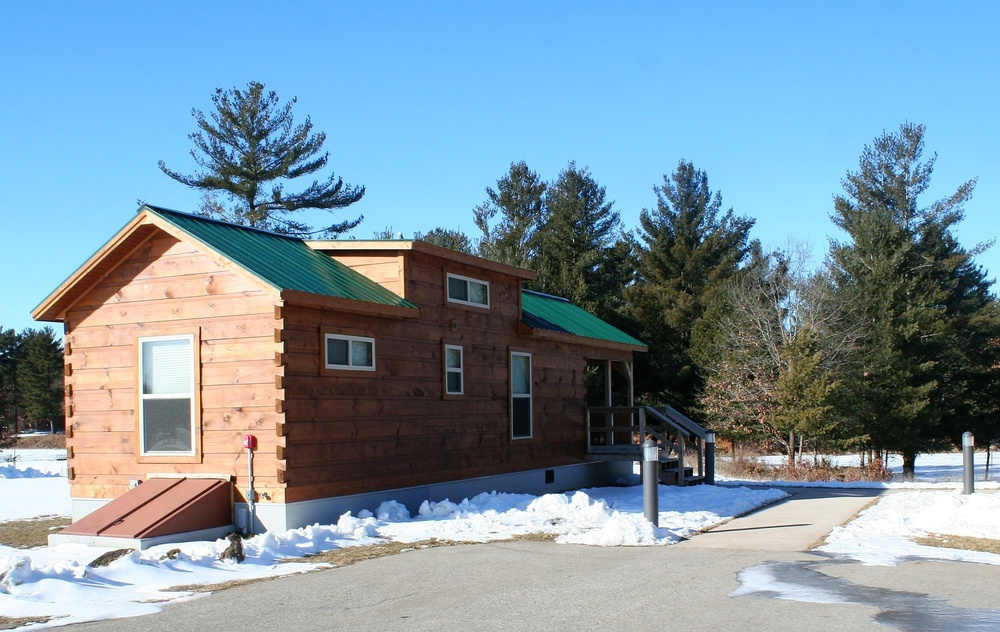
(126, 241)
(348, 305)
(581, 340)
(130, 238)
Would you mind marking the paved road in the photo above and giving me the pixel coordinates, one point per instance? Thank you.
(546, 586)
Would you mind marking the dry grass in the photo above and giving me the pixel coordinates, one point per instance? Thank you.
(9, 623)
(27, 534)
(353, 554)
(823, 470)
(984, 545)
(206, 588)
(538, 536)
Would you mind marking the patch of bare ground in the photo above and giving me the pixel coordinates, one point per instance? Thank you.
(352, 554)
(207, 588)
(40, 442)
(983, 545)
(27, 534)
(10, 623)
(538, 536)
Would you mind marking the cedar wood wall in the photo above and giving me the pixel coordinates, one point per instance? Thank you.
(355, 431)
(168, 287)
(344, 432)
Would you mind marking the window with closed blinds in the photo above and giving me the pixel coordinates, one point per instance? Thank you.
(166, 398)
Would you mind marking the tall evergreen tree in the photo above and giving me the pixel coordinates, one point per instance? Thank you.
(580, 251)
(689, 248)
(10, 355)
(40, 378)
(925, 302)
(249, 150)
(510, 217)
(447, 238)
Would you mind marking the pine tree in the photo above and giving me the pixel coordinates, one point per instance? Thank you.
(10, 355)
(580, 247)
(804, 391)
(248, 151)
(40, 378)
(926, 305)
(451, 238)
(510, 217)
(689, 248)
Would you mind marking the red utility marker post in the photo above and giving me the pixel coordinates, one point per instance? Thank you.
(250, 443)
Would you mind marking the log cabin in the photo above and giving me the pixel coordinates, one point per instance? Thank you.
(364, 371)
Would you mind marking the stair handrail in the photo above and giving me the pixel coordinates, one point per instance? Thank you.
(683, 420)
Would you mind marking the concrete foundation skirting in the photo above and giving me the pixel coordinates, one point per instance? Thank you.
(280, 517)
(284, 516)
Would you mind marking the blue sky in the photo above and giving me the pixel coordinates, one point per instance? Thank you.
(427, 103)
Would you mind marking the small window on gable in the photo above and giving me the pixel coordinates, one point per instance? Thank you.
(350, 352)
(468, 291)
(453, 370)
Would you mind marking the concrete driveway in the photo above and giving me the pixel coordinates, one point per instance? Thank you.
(548, 586)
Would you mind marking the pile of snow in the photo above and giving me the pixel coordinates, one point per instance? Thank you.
(12, 471)
(607, 516)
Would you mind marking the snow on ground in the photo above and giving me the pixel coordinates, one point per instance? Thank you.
(882, 534)
(56, 581)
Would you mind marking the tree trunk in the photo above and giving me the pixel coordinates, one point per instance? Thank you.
(791, 449)
(909, 465)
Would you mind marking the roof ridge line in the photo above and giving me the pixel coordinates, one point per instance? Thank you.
(205, 218)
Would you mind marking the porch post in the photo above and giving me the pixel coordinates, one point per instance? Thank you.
(631, 383)
(607, 383)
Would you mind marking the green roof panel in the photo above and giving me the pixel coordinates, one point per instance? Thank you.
(552, 313)
(283, 262)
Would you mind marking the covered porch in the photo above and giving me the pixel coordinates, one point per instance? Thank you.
(616, 428)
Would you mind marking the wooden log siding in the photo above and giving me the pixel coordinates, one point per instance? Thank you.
(353, 431)
(167, 287)
(386, 269)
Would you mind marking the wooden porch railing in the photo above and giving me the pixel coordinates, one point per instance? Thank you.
(617, 433)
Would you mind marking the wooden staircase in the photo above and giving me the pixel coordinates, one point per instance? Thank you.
(687, 449)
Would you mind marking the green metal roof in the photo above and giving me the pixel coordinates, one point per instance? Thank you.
(283, 262)
(552, 313)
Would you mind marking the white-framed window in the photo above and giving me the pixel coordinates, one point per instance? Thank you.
(520, 395)
(166, 396)
(454, 370)
(354, 353)
(468, 291)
